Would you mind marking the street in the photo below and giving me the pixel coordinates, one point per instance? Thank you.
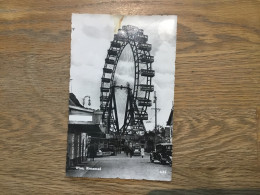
(123, 167)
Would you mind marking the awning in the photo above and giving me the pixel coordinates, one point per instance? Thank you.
(91, 130)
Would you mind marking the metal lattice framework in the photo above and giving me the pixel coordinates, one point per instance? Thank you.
(138, 98)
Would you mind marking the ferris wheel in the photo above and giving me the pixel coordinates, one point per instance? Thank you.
(138, 97)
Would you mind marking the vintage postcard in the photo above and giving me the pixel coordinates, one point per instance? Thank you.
(121, 96)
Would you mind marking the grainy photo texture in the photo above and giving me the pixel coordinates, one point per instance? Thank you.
(121, 97)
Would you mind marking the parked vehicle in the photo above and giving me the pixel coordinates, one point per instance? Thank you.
(137, 151)
(162, 153)
(106, 151)
(169, 159)
(99, 153)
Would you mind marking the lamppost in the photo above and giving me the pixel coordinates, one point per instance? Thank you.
(89, 101)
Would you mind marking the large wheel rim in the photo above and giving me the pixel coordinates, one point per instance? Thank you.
(143, 68)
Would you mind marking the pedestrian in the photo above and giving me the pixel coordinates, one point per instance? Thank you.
(92, 152)
(126, 151)
(131, 152)
(142, 152)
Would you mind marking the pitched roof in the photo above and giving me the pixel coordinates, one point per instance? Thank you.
(73, 101)
(92, 130)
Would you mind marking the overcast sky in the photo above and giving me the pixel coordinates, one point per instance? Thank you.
(90, 39)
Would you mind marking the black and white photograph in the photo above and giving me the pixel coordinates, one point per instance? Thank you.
(121, 96)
